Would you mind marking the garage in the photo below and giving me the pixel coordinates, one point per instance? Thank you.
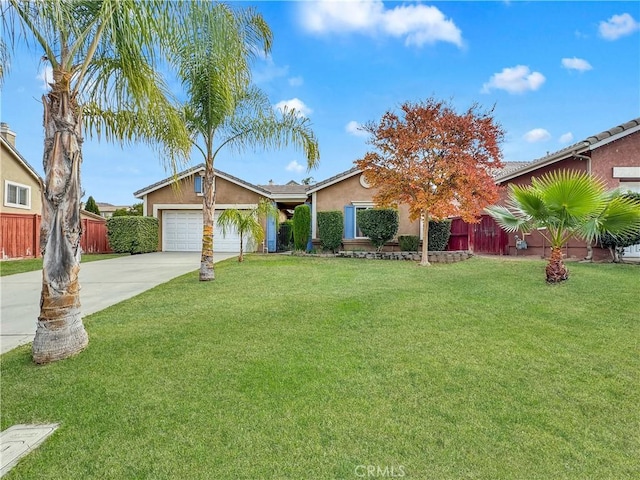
(182, 232)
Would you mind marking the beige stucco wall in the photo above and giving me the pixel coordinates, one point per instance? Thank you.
(13, 169)
(336, 196)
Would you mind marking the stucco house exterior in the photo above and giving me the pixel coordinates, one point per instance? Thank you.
(176, 201)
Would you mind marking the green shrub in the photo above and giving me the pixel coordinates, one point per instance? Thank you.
(285, 235)
(330, 229)
(301, 226)
(617, 243)
(409, 243)
(133, 234)
(379, 224)
(439, 233)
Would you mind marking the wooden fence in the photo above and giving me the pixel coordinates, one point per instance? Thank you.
(483, 237)
(20, 236)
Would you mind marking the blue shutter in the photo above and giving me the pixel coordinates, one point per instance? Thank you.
(197, 183)
(349, 221)
(271, 233)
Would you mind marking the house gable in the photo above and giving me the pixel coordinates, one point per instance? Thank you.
(19, 176)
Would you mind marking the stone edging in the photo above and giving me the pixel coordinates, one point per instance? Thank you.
(434, 257)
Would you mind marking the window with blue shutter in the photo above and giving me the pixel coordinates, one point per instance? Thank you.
(197, 183)
(349, 221)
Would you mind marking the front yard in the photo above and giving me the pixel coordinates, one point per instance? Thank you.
(304, 368)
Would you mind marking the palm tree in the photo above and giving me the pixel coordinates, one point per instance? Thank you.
(565, 204)
(213, 55)
(102, 54)
(247, 222)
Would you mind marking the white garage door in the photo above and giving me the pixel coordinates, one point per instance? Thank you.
(182, 232)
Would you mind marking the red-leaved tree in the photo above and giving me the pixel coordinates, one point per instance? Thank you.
(435, 160)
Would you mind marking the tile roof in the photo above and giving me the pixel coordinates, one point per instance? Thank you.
(291, 189)
(571, 150)
(192, 170)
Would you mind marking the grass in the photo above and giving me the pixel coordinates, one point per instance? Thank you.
(292, 368)
(11, 267)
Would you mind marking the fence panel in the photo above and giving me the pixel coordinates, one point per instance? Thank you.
(94, 237)
(459, 239)
(19, 235)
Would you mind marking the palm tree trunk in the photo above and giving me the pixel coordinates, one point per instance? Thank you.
(425, 240)
(208, 212)
(241, 256)
(60, 332)
(556, 269)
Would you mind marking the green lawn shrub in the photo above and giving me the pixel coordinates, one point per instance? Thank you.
(617, 243)
(133, 234)
(301, 226)
(285, 235)
(409, 243)
(439, 233)
(379, 224)
(330, 229)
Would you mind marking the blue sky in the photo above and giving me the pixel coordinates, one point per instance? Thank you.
(555, 72)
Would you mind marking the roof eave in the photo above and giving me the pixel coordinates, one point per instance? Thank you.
(562, 155)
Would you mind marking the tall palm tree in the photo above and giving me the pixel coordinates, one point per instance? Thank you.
(247, 222)
(565, 204)
(213, 57)
(102, 54)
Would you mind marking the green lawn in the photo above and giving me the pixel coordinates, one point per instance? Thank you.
(11, 267)
(306, 368)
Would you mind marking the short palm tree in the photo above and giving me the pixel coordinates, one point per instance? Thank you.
(248, 223)
(212, 56)
(565, 204)
(102, 54)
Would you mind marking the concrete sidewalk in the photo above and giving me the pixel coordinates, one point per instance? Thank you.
(103, 283)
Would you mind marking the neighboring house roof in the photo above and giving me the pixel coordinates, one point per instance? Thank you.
(586, 145)
(199, 168)
(335, 179)
(22, 160)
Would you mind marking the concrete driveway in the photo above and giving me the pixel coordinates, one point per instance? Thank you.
(103, 283)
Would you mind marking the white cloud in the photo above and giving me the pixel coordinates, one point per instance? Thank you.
(46, 77)
(267, 70)
(354, 128)
(518, 79)
(417, 24)
(566, 137)
(294, 166)
(618, 26)
(296, 81)
(537, 135)
(294, 104)
(576, 64)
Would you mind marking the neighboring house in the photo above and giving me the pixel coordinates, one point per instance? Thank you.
(612, 155)
(21, 200)
(107, 209)
(22, 205)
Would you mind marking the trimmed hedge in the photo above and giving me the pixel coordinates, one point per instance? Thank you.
(133, 234)
(409, 243)
(379, 224)
(330, 229)
(301, 227)
(439, 233)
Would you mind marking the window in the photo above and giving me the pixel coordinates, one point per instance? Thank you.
(16, 195)
(197, 184)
